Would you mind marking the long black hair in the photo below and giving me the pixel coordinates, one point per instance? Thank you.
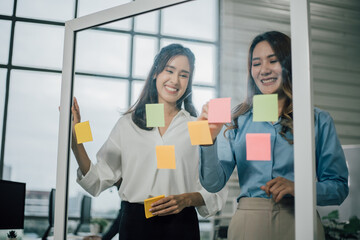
(149, 93)
(281, 45)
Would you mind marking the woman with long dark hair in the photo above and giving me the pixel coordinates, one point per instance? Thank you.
(130, 154)
(266, 201)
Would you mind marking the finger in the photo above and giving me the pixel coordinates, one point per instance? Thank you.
(165, 211)
(275, 186)
(281, 195)
(266, 189)
(277, 191)
(161, 201)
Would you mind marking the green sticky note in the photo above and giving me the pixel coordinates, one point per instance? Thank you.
(155, 115)
(265, 108)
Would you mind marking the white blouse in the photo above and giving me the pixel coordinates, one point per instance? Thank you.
(130, 153)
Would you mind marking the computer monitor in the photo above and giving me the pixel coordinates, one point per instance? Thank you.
(12, 205)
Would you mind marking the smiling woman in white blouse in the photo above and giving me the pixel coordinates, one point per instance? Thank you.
(130, 154)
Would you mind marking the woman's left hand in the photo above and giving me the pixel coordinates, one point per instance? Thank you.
(278, 188)
(172, 204)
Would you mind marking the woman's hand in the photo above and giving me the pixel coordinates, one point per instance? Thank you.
(75, 110)
(215, 128)
(278, 188)
(174, 204)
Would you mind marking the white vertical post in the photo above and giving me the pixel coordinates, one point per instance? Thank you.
(61, 197)
(304, 154)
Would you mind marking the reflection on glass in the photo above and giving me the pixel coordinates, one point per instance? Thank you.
(101, 101)
(102, 52)
(2, 98)
(38, 45)
(147, 22)
(91, 6)
(6, 7)
(201, 96)
(32, 126)
(205, 69)
(145, 49)
(5, 27)
(137, 86)
(46, 10)
(196, 19)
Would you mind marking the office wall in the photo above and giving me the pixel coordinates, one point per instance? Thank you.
(335, 38)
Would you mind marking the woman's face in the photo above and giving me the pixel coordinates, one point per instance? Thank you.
(172, 82)
(266, 69)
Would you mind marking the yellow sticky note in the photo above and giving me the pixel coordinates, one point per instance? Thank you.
(147, 205)
(83, 132)
(200, 133)
(166, 157)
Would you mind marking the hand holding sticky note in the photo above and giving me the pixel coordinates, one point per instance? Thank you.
(165, 157)
(83, 132)
(265, 108)
(219, 110)
(200, 133)
(258, 147)
(147, 205)
(155, 115)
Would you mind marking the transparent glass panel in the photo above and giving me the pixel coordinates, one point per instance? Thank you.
(205, 63)
(102, 52)
(196, 19)
(145, 49)
(5, 30)
(201, 95)
(102, 102)
(2, 102)
(148, 23)
(6, 7)
(91, 6)
(52, 10)
(137, 86)
(33, 124)
(38, 45)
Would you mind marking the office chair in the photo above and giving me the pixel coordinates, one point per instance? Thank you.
(51, 214)
(85, 213)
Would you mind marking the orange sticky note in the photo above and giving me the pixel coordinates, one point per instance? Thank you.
(199, 133)
(147, 205)
(219, 110)
(83, 132)
(165, 157)
(258, 147)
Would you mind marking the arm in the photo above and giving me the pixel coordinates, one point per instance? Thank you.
(332, 173)
(79, 151)
(217, 161)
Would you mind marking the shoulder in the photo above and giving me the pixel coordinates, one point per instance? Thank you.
(322, 116)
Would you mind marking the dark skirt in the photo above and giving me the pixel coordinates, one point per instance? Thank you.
(134, 225)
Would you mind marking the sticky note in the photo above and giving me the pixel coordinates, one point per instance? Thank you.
(147, 205)
(199, 132)
(265, 108)
(165, 157)
(155, 115)
(83, 132)
(219, 110)
(258, 147)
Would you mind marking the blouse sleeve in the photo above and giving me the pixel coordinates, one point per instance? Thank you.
(331, 169)
(214, 202)
(217, 163)
(106, 171)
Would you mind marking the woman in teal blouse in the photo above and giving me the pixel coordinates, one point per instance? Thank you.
(266, 200)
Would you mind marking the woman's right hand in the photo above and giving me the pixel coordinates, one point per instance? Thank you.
(75, 110)
(215, 128)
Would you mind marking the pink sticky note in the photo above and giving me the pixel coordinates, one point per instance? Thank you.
(258, 147)
(219, 110)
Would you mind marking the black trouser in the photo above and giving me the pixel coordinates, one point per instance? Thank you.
(134, 225)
